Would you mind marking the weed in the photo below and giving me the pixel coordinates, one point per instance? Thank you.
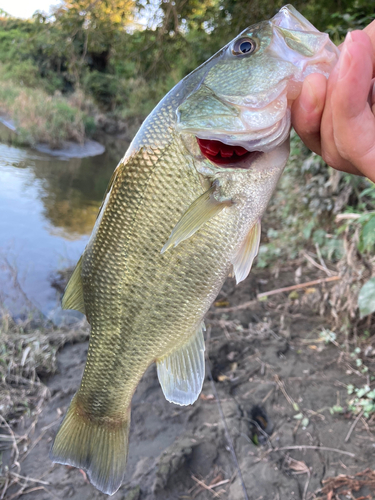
(40, 117)
(362, 400)
(327, 336)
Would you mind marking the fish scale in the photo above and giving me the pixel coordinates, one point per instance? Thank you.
(142, 262)
(172, 226)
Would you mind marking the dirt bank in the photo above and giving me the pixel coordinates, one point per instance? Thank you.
(268, 355)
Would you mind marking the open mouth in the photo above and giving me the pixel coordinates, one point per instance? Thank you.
(225, 154)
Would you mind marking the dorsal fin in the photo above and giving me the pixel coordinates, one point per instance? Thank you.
(73, 295)
(243, 260)
(181, 374)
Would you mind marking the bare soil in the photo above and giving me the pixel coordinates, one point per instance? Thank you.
(268, 366)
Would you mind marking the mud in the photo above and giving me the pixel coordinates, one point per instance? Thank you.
(71, 149)
(268, 367)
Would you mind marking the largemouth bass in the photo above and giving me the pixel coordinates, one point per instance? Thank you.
(182, 210)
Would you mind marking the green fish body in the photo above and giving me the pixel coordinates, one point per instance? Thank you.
(182, 210)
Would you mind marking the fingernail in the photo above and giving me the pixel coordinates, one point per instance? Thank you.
(345, 59)
(308, 98)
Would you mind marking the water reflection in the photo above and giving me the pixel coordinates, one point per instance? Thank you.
(48, 208)
(71, 192)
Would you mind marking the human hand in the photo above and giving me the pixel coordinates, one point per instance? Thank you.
(336, 118)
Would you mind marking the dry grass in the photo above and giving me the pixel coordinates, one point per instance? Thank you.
(344, 486)
(354, 270)
(42, 118)
(27, 355)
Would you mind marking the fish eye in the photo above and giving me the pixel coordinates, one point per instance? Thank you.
(243, 46)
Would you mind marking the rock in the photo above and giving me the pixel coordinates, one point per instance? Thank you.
(133, 494)
(73, 150)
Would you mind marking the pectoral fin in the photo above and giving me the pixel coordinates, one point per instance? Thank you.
(73, 295)
(181, 374)
(199, 212)
(243, 260)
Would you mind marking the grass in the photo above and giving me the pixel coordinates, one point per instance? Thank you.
(40, 117)
(28, 351)
(27, 356)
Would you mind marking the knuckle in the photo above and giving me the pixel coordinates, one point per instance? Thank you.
(330, 159)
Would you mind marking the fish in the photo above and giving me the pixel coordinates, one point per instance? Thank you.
(182, 211)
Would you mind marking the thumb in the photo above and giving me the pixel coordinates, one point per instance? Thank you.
(352, 117)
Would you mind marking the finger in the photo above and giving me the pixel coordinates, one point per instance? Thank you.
(370, 31)
(352, 117)
(307, 110)
(330, 153)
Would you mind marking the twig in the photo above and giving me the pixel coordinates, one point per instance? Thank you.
(23, 491)
(296, 287)
(322, 448)
(306, 485)
(321, 260)
(352, 426)
(315, 264)
(220, 483)
(245, 305)
(14, 445)
(41, 435)
(204, 485)
(17, 285)
(29, 479)
(267, 395)
(5, 488)
(347, 217)
(282, 388)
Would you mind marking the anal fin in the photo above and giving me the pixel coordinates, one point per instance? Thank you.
(244, 258)
(181, 374)
(200, 211)
(73, 295)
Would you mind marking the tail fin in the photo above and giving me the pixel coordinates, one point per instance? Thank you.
(100, 449)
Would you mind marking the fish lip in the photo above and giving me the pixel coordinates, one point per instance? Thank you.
(263, 141)
(242, 161)
(288, 17)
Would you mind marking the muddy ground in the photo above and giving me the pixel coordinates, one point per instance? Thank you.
(268, 365)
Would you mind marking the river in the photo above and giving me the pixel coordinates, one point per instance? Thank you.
(48, 207)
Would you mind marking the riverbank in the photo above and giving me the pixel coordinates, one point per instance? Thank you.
(286, 387)
(58, 125)
(42, 118)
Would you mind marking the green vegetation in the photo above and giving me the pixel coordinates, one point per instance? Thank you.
(44, 118)
(329, 215)
(122, 56)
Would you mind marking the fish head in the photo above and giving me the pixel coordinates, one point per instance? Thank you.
(240, 110)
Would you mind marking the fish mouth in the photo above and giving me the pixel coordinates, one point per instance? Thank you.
(227, 155)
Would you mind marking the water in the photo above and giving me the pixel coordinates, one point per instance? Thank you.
(48, 207)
